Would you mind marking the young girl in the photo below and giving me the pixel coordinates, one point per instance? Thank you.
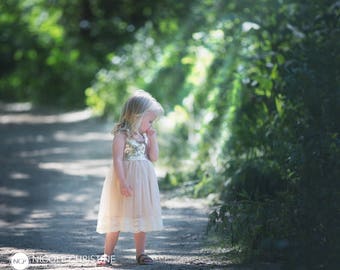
(130, 196)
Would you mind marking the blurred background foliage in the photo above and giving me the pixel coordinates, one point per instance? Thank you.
(251, 92)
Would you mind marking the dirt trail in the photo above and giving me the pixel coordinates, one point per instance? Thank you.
(52, 170)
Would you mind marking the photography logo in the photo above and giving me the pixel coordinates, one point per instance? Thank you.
(19, 261)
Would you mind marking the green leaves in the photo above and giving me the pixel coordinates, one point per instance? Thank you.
(251, 92)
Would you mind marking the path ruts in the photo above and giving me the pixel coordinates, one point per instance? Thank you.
(52, 169)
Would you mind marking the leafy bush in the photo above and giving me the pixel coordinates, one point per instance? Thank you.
(251, 92)
(280, 194)
(256, 98)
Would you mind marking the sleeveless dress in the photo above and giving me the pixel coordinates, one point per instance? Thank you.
(140, 212)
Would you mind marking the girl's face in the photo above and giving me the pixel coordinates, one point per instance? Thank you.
(147, 121)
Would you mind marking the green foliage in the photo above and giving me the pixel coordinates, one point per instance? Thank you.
(258, 96)
(281, 160)
(40, 64)
(251, 92)
(50, 50)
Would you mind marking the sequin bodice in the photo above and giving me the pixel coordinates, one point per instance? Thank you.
(134, 150)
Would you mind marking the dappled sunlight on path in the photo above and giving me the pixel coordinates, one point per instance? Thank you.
(20, 113)
(52, 170)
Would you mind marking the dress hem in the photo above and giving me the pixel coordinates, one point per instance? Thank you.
(102, 231)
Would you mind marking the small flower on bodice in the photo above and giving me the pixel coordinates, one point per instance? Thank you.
(134, 150)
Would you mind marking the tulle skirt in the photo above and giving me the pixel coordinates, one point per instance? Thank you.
(139, 213)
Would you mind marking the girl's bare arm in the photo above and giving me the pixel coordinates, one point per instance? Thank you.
(118, 155)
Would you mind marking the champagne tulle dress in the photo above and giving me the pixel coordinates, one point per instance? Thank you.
(142, 211)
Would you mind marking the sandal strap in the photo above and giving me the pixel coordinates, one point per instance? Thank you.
(144, 259)
(104, 259)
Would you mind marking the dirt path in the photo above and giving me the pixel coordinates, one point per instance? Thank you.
(52, 169)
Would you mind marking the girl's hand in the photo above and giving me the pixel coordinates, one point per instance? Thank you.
(125, 190)
(152, 146)
(150, 132)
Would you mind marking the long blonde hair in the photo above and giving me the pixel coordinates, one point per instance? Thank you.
(134, 109)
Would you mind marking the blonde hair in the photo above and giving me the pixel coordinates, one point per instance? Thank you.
(134, 109)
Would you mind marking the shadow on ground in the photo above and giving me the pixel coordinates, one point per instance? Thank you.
(52, 169)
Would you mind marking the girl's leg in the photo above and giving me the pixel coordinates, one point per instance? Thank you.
(140, 238)
(110, 242)
(141, 257)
